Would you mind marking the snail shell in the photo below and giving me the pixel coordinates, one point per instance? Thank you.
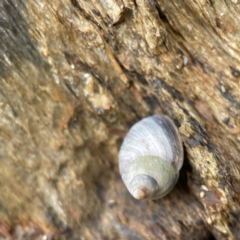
(150, 157)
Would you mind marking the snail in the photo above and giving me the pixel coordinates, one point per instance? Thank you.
(150, 157)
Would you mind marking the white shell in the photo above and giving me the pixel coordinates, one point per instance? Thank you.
(150, 157)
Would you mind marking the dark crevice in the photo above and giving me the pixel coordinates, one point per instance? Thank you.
(132, 73)
(126, 14)
(107, 20)
(161, 14)
(152, 101)
(71, 90)
(235, 72)
(73, 59)
(211, 237)
(183, 176)
(159, 83)
(225, 93)
(88, 17)
(230, 98)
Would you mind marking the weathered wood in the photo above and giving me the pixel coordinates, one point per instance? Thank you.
(75, 75)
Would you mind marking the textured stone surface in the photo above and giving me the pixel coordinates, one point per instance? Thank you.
(75, 75)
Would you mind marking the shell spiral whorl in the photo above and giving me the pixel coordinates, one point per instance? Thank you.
(150, 157)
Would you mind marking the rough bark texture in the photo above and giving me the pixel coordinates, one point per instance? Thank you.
(75, 75)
